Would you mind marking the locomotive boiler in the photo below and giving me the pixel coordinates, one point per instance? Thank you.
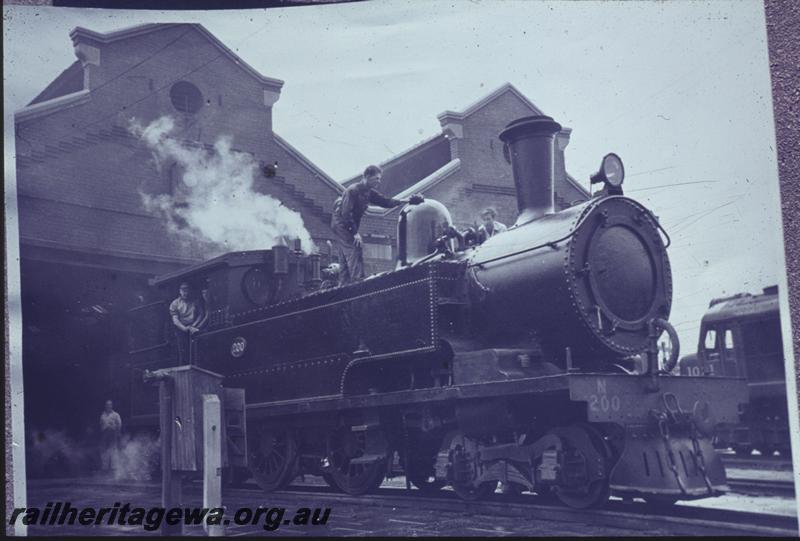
(530, 359)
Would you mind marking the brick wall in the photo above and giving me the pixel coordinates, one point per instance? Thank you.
(82, 166)
(484, 178)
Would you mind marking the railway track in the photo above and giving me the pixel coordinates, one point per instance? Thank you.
(635, 517)
(762, 487)
(757, 462)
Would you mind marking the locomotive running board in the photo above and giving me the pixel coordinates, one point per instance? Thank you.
(615, 398)
(628, 400)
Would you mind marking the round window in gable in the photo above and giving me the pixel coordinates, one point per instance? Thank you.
(186, 97)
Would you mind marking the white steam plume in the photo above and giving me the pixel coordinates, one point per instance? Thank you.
(136, 458)
(216, 209)
(53, 453)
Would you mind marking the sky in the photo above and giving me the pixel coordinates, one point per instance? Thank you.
(679, 90)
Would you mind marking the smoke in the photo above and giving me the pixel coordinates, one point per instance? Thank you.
(215, 209)
(137, 458)
(52, 453)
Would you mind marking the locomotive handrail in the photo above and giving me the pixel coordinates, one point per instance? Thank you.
(148, 348)
(553, 243)
(672, 360)
(660, 228)
(148, 305)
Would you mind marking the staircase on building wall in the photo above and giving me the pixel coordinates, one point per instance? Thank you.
(121, 135)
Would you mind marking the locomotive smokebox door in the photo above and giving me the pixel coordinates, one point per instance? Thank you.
(188, 385)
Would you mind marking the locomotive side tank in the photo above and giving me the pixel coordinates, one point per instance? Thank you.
(476, 365)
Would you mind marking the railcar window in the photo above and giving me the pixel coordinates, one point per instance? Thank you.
(711, 340)
(729, 346)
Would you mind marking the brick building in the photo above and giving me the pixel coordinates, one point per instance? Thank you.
(463, 167)
(87, 243)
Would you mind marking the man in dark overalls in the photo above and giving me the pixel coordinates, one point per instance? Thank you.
(347, 213)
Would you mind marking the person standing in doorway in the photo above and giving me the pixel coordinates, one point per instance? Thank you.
(186, 312)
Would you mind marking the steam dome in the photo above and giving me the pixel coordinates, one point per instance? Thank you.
(418, 228)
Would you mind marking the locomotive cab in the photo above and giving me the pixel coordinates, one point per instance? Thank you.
(227, 285)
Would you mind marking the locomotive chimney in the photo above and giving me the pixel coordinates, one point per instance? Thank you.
(528, 147)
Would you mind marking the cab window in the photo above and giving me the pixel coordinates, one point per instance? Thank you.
(729, 346)
(710, 341)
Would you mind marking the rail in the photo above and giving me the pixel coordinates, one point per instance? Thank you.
(634, 516)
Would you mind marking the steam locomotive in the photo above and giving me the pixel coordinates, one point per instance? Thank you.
(740, 336)
(529, 360)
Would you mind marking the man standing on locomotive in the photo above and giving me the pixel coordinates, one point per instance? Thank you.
(186, 313)
(347, 213)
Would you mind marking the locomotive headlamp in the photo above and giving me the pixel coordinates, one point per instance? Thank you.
(611, 172)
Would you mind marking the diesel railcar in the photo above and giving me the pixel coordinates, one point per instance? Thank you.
(740, 336)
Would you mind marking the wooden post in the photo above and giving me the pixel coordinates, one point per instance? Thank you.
(171, 481)
(212, 459)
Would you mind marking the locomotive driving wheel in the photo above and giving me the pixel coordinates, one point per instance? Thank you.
(583, 479)
(357, 460)
(465, 468)
(273, 457)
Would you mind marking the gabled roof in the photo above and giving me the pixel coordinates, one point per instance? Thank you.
(422, 186)
(487, 99)
(411, 165)
(422, 160)
(69, 81)
(80, 33)
(283, 143)
(35, 110)
(431, 180)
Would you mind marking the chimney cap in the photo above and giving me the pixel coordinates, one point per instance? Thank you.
(529, 126)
